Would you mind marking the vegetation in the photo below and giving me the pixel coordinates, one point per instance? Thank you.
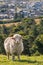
(32, 36)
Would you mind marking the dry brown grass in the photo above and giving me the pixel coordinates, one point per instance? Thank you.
(37, 21)
(10, 24)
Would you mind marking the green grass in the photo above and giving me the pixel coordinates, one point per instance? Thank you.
(25, 60)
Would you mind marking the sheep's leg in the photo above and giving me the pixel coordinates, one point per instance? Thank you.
(13, 57)
(8, 55)
(18, 56)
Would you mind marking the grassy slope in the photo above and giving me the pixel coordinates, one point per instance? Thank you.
(25, 60)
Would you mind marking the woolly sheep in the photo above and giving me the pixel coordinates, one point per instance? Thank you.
(14, 45)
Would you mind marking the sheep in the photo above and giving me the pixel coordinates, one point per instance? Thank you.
(14, 45)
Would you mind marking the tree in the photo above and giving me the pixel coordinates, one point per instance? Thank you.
(39, 42)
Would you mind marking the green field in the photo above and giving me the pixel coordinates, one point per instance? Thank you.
(25, 60)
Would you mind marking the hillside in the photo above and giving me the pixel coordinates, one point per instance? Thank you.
(37, 21)
(32, 35)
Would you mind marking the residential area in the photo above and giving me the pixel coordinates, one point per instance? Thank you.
(23, 8)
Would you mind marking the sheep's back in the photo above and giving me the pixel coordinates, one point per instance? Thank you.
(7, 43)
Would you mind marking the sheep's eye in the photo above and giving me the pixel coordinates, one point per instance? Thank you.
(20, 37)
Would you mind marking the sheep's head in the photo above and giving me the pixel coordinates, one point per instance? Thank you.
(17, 38)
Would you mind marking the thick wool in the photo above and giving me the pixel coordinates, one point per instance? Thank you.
(14, 45)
